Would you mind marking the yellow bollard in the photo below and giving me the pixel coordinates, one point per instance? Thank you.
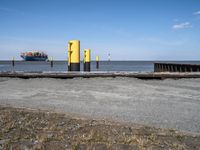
(87, 60)
(74, 55)
(97, 62)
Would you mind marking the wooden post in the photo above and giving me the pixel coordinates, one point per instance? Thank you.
(13, 62)
(51, 62)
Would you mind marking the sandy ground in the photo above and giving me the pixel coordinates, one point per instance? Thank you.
(161, 103)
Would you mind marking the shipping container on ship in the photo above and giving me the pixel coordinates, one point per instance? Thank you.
(34, 56)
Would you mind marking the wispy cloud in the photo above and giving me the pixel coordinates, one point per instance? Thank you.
(163, 42)
(197, 13)
(183, 25)
(10, 10)
(19, 12)
(5, 9)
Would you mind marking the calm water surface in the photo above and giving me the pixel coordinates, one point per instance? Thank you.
(135, 66)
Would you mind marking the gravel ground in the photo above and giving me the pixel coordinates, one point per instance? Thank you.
(160, 103)
(25, 129)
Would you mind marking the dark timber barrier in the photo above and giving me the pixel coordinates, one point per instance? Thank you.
(167, 67)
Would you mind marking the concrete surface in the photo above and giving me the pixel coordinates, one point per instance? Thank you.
(161, 103)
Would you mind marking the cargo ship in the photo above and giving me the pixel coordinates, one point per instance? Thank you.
(34, 56)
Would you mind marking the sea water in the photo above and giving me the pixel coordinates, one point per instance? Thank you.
(61, 66)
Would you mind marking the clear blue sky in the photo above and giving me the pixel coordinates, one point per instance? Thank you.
(128, 29)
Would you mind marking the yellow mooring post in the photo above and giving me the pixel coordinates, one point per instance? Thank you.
(74, 55)
(97, 62)
(87, 59)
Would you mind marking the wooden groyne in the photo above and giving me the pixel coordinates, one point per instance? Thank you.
(69, 75)
(169, 67)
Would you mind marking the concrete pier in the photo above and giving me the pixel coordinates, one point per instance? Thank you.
(169, 67)
(68, 75)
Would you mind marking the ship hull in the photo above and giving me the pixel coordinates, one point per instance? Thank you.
(32, 58)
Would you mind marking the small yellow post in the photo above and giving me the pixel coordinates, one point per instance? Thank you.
(97, 62)
(87, 59)
(97, 58)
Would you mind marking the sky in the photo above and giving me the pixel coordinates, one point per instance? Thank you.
(127, 29)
